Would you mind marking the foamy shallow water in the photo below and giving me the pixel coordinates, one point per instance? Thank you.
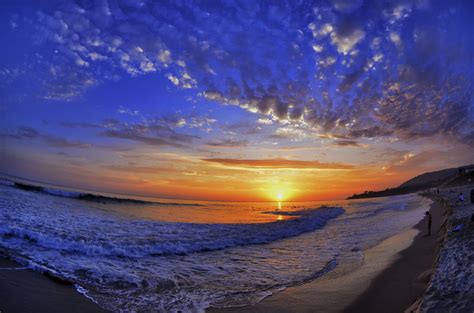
(128, 259)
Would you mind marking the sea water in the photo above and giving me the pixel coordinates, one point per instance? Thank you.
(145, 254)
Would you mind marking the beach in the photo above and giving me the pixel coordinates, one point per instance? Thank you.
(24, 290)
(393, 276)
(451, 287)
(390, 279)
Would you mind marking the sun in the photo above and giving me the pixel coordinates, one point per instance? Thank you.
(278, 192)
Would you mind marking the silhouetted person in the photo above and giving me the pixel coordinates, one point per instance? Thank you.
(429, 222)
(460, 197)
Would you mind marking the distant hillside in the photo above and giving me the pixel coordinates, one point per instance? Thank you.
(435, 178)
(459, 180)
(444, 178)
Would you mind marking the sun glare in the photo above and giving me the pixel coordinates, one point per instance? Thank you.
(279, 192)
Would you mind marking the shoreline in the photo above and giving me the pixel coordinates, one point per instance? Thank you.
(406, 279)
(388, 278)
(394, 274)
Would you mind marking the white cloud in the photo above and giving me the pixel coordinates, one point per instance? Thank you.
(94, 56)
(344, 44)
(165, 57)
(326, 29)
(317, 48)
(265, 121)
(173, 79)
(81, 62)
(327, 61)
(395, 38)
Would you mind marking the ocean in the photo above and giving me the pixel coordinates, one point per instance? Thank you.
(148, 254)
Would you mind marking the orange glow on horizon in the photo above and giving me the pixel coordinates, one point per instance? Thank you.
(283, 186)
(184, 177)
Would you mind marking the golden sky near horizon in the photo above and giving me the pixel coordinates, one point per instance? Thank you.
(183, 176)
(224, 101)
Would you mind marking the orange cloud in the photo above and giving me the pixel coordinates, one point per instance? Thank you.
(280, 163)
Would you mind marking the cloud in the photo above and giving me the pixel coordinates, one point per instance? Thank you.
(335, 69)
(132, 134)
(290, 132)
(429, 159)
(346, 43)
(79, 125)
(127, 111)
(347, 143)
(151, 134)
(25, 133)
(228, 143)
(372, 132)
(140, 169)
(241, 128)
(279, 164)
(155, 131)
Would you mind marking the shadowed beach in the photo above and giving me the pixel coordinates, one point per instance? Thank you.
(23, 290)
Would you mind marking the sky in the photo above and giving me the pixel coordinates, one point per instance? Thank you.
(235, 100)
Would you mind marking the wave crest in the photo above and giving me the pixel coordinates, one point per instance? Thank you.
(86, 196)
(136, 239)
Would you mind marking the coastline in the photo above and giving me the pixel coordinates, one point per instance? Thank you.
(394, 274)
(406, 279)
(392, 278)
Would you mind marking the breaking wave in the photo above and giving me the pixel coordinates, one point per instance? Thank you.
(141, 238)
(87, 196)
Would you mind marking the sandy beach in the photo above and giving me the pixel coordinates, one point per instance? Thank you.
(392, 277)
(405, 280)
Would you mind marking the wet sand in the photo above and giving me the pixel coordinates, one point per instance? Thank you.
(392, 276)
(401, 284)
(26, 291)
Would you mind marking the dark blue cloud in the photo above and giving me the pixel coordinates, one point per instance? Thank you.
(28, 133)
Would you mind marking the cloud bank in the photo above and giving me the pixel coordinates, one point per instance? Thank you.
(280, 164)
(350, 69)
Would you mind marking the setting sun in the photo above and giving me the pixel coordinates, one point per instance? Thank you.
(279, 196)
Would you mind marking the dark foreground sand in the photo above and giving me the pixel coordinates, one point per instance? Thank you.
(25, 291)
(387, 281)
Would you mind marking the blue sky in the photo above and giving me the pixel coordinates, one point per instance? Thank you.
(96, 87)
